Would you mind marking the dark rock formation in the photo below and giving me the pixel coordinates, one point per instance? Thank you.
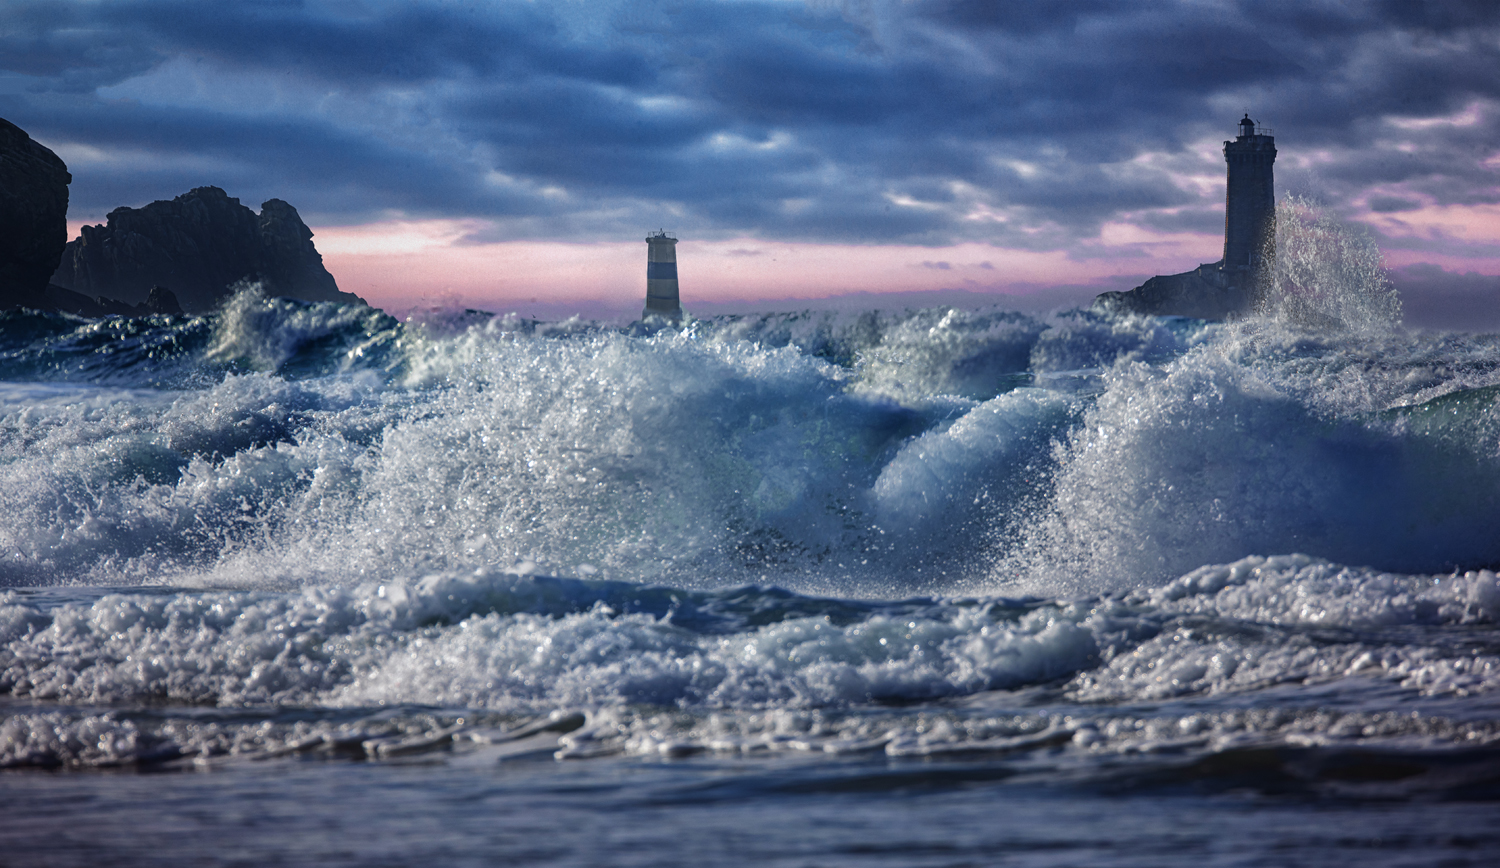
(1203, 293)
(159, 300)
(162, 300)
(199, 245)
(33, 217)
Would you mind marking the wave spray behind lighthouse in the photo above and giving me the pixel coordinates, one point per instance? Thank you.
(661, 277)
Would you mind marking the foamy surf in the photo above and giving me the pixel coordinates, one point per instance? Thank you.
(977, 553)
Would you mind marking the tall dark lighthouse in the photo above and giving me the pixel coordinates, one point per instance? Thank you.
(1233, 286)
(661, 277)
(1250, 202)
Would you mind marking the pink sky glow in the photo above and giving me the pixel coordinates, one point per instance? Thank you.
(403, 265)
(1458, 237)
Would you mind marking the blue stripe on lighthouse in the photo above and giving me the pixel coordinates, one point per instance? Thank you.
(661, 271)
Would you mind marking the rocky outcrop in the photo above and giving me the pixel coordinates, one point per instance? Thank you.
(158, 300)
(1206, 292)
(198, 245)
(33, 217)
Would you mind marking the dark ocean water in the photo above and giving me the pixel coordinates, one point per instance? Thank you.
(303, 584)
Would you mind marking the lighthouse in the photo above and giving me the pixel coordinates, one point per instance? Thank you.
(661, 277)
(1249, 202)
(1235, 285)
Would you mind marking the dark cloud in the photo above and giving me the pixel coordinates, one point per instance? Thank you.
(924, 122)
(1388, 204)
(1205, 220)
(56, 47)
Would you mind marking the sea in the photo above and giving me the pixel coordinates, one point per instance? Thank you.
(307, 584)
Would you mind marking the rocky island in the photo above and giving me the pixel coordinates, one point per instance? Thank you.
(198, 245)
(33, 217)
(182, 255)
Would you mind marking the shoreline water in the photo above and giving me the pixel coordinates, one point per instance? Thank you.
(439, 588)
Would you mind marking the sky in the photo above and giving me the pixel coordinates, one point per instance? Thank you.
(513, 155)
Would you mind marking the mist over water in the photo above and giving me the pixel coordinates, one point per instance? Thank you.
(1327, 273)
(329, 445)
(277, 445)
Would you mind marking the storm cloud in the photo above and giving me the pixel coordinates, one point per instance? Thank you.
(1023, 125)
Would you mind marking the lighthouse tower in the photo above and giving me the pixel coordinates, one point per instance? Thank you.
(1249, 203)
(661, 277)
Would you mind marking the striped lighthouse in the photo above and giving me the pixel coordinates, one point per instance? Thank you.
(661, 277)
